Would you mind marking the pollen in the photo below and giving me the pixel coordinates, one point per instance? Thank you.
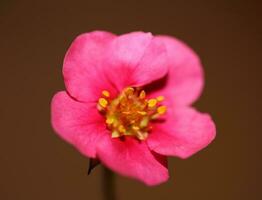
(121, 129)
(110, 120)
(142, 112)
(136, 128)
(130, 114)
(161, 110)
(142, 94)
(160, 98)
(106, 93)
(152, 103)
(103, 102)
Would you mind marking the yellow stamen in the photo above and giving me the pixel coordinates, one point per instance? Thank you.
(142, 112)
(161, 110)
(160, 98)
(142, 135)
(142, 94)
(136, 128)
(121, 129)
(152, 103)
(133, 121)
(103, 102)
(129, 91)
(106, 93)
(130, 113)
(115, 134)
(110, 120)
(155, 116)
(128, 133)
(144, 122)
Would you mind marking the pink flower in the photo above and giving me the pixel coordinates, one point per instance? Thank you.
(127, 102)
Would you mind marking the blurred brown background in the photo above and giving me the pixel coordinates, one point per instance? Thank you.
(36, 164)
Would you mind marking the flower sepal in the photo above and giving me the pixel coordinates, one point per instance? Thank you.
(92, 164)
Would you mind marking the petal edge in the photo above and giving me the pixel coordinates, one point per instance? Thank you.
(185, 132)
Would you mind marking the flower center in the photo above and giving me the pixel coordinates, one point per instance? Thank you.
(129, 114)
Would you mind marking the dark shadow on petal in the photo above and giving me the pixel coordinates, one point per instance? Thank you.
(156, 85)
(159, 120)
(160, 158)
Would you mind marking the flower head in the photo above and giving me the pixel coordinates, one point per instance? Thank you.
(127, 102)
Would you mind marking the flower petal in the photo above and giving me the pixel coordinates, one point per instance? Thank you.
(184, 132)
(133, 159)
(80, 124)
(135, 59)
(185, 80)
(82, 70)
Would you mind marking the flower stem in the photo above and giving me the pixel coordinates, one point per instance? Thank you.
(108, 184)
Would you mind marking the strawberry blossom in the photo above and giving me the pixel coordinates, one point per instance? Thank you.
(128, 102)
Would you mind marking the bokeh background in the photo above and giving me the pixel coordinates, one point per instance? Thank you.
(34, 36)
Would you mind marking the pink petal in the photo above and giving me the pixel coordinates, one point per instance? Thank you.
(185, 80)
(184, 132)
(82, 70)
(133, 159)
(78, 123)
(135, 59)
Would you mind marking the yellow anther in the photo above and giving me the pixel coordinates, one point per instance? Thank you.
(115, 124)
(121, 129)
(103, 102)
(141, 135)
(161, 110)
(152, 103)
(128, 133)
(155, 116)
(133, 121)
(160, 98)
(144, 122)
(142, 112)
(110, 120)
(106, 93)
(115, 134)
(142, 94)
(136, 128)
(129, 91)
